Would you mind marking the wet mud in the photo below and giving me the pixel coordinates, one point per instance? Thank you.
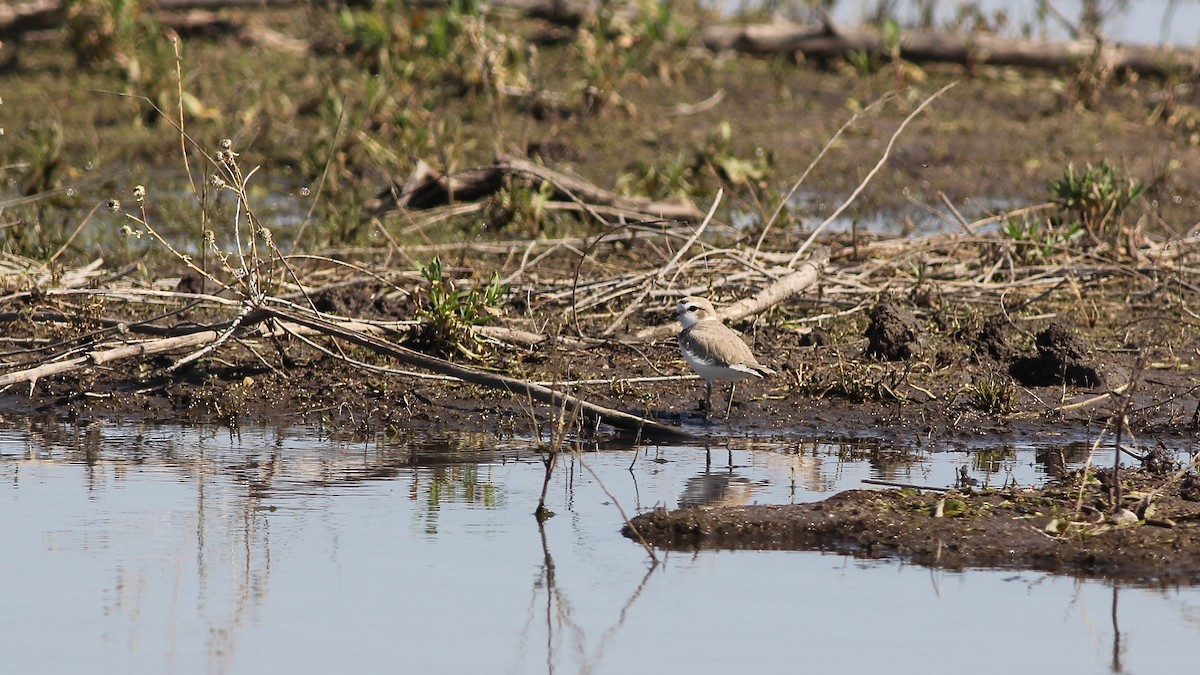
(1149, 540)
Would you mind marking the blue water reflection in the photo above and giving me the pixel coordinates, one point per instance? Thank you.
(141, 548)
(1144, 22)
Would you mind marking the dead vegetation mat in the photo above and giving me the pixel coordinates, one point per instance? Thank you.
(943, 336)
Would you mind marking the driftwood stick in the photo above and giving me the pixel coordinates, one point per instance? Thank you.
(525, 338)
(617, 418)
(105, 323)
(23, 17)
(426, 188)
(910, 486)
(100, 357)
(578, 188)
(783, 288)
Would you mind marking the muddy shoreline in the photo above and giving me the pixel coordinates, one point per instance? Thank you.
(998, 529)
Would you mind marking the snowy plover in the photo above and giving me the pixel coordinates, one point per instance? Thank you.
(715, 351)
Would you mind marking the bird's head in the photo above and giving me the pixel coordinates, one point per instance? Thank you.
(692, 310)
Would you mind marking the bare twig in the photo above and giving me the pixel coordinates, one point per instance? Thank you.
(655, 279)
(787, 198)
(878, 165)
(782, 289)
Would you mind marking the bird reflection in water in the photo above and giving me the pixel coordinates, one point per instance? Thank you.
(716, 489)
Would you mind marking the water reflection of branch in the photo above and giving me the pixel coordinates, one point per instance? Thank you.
(552, 594)
(558, 609)
(621, 510)
(558, 613)
(637, 494)
(1116, 649)
(609, 634)
(250, 581)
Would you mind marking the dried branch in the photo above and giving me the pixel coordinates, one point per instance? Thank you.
(426, 188)
(782, 289)
(616, 418)
(878, 165)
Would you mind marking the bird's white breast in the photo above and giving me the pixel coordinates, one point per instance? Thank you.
(716, 352)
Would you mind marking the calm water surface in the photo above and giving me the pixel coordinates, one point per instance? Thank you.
(165, 549)
(1142, 22)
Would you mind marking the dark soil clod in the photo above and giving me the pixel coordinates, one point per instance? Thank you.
(815, 338)
(1158, 461)
(992, 340)
(893, 334)
(1062, 358)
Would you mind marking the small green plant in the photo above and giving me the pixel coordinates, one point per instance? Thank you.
(686, 175)
(43, 147)
(1035, 242)
(121, 35)
(653, 33)
(376, 37)
(602, 67)
(104, 31)
(891, 44)
(519, 205)
(449, 314)
(1097, 198)
(993, 394)
(675, 179)
(454, 44)
(719, 154)
(863, 62)
(486, 60)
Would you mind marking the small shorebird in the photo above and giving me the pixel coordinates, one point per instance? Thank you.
(715, 351)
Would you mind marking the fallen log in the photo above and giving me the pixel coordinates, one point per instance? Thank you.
(426, 188)
(102, 356)
(560, 12)
(824, 42)
(24, 17)
(816, 41)
(783, 288)
(35, 15)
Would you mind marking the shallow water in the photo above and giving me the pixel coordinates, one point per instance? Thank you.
(166, 549)
(1143, 22)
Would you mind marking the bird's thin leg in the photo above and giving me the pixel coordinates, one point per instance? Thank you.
(732, 388)
(707, 399)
